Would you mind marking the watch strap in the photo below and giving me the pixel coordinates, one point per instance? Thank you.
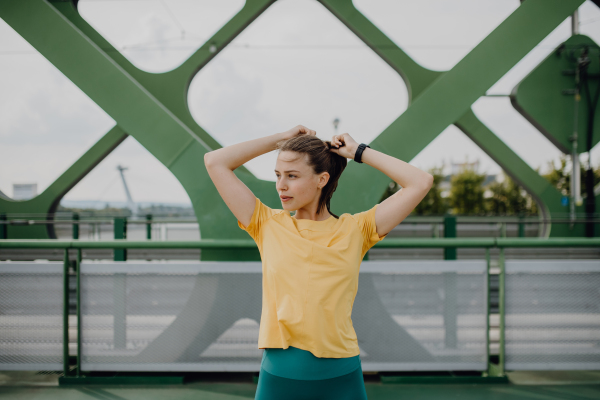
(359, 151)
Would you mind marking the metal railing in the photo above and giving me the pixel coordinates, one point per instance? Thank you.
(446, 243)
(499, 224)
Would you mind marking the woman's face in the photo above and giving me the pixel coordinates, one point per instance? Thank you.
(297, 180)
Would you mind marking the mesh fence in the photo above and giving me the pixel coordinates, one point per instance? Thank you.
(31, 309)
(162, 316)
(552, 314)
(179, 316)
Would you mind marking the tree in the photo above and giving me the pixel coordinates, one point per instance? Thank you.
(466, 192)
(560, 176)
(433, 203)
(508, 198)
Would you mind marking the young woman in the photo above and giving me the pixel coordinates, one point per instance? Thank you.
(311, 260)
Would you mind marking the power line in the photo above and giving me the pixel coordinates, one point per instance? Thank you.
(173, 18)
(273, 47)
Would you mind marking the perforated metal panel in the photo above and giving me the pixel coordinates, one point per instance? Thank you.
(422, 315)
(417, 315)
(31, 307)
(552, 314)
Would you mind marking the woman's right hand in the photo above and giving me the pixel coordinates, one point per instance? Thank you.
(296, 131)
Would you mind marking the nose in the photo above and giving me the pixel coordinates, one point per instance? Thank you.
(280, 186)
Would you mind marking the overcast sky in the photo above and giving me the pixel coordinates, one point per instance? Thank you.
(295, 64)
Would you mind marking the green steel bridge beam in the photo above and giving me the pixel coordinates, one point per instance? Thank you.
(449, 95)
(47, 201)
(135, 109)
(152, 113)
(166, 94)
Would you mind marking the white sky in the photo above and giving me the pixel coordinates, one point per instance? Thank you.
(295, 64)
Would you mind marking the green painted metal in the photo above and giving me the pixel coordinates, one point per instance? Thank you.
(47, 202)
(494, 371)
(160, 103)
(149, 227)
(450, 232)
(501, 312)
(79, 322)
(120, 232)
(241, 244)
(521, 226)
(540, 96)
(443, 380)
(76, 226)
(242, 386)
(65, 326)
(120, 380)
(458, 88)
(487, 308)
(3, 226)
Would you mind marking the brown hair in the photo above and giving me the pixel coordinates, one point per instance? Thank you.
(321, 160)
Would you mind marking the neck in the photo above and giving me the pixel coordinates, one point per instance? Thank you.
(304, 214)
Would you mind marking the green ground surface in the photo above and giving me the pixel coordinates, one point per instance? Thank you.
(523, 385)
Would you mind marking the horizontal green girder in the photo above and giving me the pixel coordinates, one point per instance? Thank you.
(248, 243)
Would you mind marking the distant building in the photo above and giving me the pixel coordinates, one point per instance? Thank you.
(457, 167)
(24, 191)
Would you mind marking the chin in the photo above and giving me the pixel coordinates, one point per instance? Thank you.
(287, 207)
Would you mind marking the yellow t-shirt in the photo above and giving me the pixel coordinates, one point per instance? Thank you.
(310, 278)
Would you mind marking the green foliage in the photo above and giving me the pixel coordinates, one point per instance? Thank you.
(508, 198)
(466, 192)
(560, 176)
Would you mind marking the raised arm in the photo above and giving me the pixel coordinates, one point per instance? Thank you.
(415, 182)
(221, 163)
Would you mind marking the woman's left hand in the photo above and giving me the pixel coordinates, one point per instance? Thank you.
(346, 146)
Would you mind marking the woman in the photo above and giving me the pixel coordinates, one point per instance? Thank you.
(311, 260)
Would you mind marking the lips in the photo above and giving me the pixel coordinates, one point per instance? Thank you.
(284, 197)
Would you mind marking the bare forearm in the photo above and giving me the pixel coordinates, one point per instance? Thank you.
(238, 154)
(401, 172)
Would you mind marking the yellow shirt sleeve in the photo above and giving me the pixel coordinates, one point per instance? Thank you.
(368, 227)
(260, 215)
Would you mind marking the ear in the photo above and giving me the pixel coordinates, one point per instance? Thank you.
(323, 179)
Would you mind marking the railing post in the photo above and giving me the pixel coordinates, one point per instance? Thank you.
(120, 232)
(75, 226)
(501, 301)
(78, 264)
(449, 232)
(521, 225)
(3, 226)
(487, 310)
(66, 312)
(149, 226)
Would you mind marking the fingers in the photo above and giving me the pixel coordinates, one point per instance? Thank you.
(338, 140)
(305, 130)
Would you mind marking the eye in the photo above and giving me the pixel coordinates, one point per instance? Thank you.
(293, 175)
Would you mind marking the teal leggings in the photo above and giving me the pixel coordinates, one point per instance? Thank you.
(345, 387)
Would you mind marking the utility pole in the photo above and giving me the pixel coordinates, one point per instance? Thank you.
(130, 203)
(336, 121)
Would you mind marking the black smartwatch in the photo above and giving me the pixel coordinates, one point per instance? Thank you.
(359, 151)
